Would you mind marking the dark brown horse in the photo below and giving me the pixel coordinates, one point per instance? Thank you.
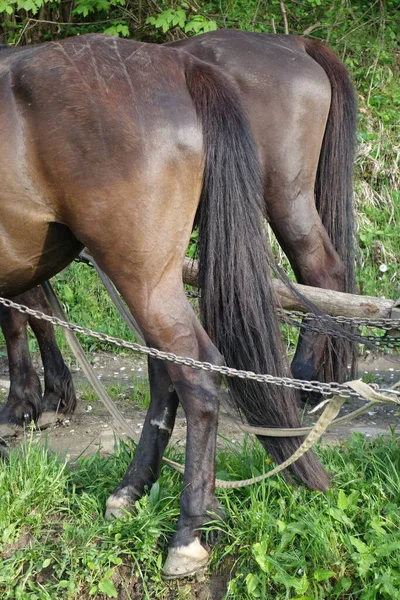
(117, 146)
(25, 402)
(302, 111)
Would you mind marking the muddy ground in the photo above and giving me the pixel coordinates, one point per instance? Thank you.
(91, 428)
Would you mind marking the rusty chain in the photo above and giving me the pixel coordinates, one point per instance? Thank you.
(297, 318)
(340, 391)
(315, 323)
(383, 323)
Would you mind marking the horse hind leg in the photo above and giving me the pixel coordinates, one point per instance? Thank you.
(315, 262)
(169, 324)
(157, 429)
(148, 241)
(24, 401)
(198, 392)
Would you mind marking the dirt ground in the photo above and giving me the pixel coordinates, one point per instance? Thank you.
(91, 428)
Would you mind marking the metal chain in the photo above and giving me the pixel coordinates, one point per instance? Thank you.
(316, 324)
(299, 319)
(283, 315)
(327, 389)
(383, 323)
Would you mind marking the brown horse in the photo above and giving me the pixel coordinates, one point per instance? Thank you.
(118, 146)
(25, 402)
(302, 112)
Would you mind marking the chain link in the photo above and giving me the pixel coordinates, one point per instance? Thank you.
(299, 319)
(327, 389)
(383, 323)
(316, 323)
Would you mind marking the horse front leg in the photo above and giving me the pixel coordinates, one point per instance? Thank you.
(24, 402)
(59, 392)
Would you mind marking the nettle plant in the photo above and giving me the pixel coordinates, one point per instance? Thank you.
(178, 17)
(32, 21)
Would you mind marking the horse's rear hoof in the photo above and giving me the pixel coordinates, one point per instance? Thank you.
(186, 561)
(121, 503)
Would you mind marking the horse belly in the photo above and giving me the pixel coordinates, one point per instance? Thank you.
(33, 246)
(31, 251)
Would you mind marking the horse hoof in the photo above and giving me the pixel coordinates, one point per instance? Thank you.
(186, 561)
(119, 504)
(8, 430)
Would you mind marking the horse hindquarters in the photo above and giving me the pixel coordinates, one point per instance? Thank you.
(300, 103)
(129, 188)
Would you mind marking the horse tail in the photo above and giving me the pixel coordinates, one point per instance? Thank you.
(333, 187)
(237, 300)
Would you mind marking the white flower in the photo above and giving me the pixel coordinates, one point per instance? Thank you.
(383, 268)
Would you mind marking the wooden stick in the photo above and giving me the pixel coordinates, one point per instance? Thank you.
(330, 302)
(284, 15)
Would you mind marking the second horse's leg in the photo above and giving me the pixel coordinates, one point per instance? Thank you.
(145, 467)
(59, 391)
(24, 399)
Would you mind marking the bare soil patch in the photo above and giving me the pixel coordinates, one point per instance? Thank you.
(91, 429)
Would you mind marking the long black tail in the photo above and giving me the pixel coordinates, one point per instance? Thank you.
(334, 187)
(237, 300)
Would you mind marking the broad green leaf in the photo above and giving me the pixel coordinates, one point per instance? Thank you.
(323, 574)
(108, 588)
(359, 545)
(252, 584)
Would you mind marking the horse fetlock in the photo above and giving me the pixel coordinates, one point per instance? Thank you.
(184, 561)
(20, 411)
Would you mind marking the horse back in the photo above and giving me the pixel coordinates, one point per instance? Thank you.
(286, 93)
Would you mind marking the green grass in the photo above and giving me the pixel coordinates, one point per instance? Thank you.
(135, 393)
(379, 235)
(278, 542)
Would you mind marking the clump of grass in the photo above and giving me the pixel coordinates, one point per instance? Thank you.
(291, 543)
(55, 542)
(278, 542)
